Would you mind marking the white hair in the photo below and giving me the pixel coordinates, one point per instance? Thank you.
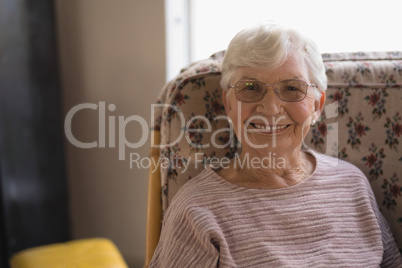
(267, 46)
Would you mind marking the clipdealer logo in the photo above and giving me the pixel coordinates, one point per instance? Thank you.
(109, 141)
(122, 122)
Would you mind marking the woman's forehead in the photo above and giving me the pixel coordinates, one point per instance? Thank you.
(269, 76)
(252, 78)
(294, 67)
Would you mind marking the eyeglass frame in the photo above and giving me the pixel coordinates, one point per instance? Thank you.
(274, 88)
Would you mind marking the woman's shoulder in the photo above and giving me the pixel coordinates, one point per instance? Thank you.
(197, 192)
(341, 171)
(336, 172)
(205, 180)
(330, 165)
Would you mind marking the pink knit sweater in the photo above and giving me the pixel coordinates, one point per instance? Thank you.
(331, 219)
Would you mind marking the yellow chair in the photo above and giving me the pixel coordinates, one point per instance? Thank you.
(154, 207)
(83, 253)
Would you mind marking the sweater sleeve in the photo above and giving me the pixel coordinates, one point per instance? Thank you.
(187, 239)
(391, 257)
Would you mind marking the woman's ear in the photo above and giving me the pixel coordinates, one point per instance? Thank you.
(322, 100)
(319, 105)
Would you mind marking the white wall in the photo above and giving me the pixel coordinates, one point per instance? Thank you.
(111, 51)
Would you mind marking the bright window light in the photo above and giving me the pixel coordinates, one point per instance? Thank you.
(336, 26)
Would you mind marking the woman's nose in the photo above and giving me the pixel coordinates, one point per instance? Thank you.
(270, 104)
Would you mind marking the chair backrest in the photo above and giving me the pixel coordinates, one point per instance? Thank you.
(361, 123)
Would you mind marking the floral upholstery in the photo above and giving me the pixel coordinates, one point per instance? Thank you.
(361, 123)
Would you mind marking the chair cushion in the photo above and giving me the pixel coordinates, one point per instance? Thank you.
(85, 253)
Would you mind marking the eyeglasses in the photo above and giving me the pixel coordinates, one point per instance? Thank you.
(291, 90)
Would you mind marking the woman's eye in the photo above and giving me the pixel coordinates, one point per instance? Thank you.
(291, 89)
(251, 87)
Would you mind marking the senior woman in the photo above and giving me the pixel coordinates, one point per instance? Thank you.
(308, 211)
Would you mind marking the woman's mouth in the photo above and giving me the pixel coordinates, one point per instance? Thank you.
(269, 128)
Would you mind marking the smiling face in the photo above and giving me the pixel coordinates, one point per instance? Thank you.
(271, 124)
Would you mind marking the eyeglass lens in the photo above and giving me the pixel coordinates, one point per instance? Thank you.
(287, 90)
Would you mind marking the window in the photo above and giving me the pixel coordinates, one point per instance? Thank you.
(198, 28)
